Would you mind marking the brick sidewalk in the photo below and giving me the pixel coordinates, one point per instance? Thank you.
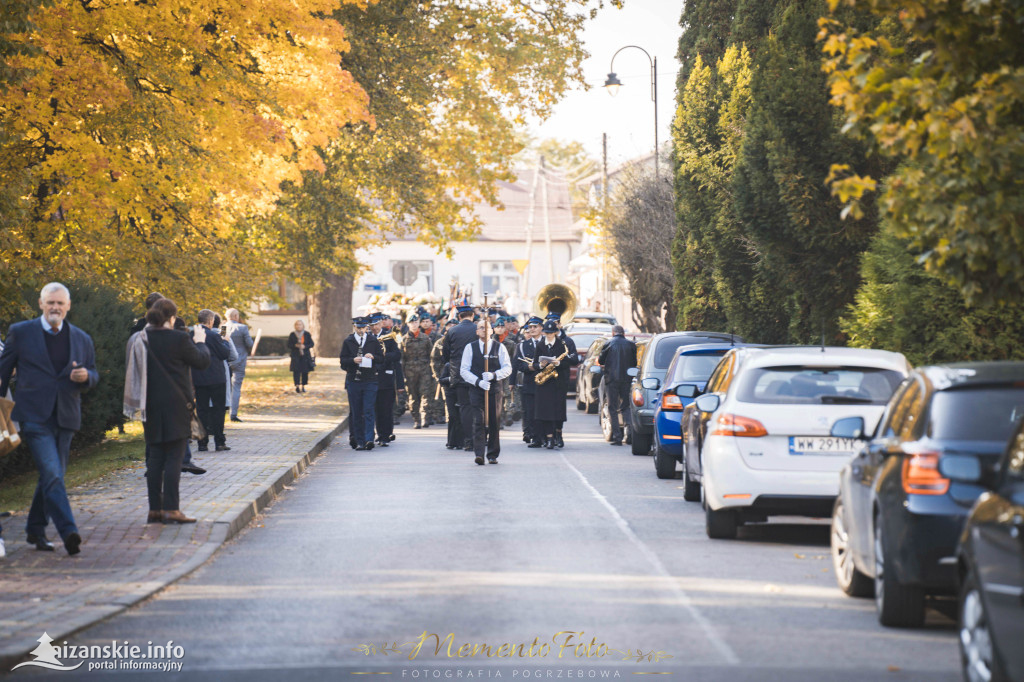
(123, 559)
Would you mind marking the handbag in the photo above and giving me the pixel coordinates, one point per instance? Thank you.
(195, 425)
(9, 438)
(310, 363)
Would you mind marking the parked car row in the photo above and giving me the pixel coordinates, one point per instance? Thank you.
(921, 470)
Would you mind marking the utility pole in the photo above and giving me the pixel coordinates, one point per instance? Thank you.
(547, 222)
(524, 286)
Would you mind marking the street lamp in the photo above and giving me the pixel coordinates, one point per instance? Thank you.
(613, 84)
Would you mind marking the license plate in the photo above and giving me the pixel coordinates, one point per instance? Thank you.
(821, 445)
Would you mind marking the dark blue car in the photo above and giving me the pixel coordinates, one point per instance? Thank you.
(685, 379)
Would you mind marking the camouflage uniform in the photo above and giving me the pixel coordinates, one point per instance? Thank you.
(435, 404)
(511, 391)
(437, 369)
(419, 383)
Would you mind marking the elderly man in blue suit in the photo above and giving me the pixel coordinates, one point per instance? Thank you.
(56, 362)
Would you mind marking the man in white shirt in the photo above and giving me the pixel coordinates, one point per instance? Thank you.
(483, 368)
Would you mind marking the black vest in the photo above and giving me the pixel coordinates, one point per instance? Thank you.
(493, 363)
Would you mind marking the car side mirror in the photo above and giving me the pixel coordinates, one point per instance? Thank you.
(651, 383)
(687, 391)
(850, 427)
(708, 403)
(633, 371)
(595, 369)
(962, 468)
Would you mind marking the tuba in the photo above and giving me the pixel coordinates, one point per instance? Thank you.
(556, 298)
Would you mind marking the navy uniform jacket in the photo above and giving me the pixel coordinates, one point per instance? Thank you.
(350, 349)
(455, 342)
(38, 389)
(391, 368)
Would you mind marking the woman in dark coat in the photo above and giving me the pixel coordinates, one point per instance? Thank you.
(299, 343)
(172, 353)
(549, 401)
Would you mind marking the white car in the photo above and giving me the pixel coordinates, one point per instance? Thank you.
(767, 451)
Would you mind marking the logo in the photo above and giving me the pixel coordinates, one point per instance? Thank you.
(118, 656)
(46, 656)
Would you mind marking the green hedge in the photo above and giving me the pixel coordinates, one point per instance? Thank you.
(273, 345)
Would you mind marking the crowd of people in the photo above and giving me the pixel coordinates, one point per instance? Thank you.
(476, 374)
(181, 382)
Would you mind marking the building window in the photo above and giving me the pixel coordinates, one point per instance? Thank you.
(292, 295)
(424, 279)
(498, 276)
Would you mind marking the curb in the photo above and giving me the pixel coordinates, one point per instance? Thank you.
(224, 528)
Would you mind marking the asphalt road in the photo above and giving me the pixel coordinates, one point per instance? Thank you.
(382, 549)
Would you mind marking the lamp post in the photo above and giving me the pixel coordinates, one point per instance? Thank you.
(613, 84)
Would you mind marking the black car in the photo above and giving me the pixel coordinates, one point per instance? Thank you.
(991, 566)
(897, 518)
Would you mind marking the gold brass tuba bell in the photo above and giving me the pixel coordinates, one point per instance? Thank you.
(556, 298)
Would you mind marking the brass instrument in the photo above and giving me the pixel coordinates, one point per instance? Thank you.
(386, 337)
(548, 372)
(556, 298)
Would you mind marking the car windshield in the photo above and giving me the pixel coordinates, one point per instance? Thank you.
(981, 413)
(668, 346)
(596, 319)
(696, 368)
(818, 385)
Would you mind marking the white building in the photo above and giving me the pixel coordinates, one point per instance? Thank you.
(521, 247)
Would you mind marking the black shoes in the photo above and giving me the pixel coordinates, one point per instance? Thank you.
(297, 390)
(358, 447)
(202, 448)
(478, 459)
(73, 544)
(193, 469)
(536, 444)
(492, 460)
(382, 442)
(550, 443)
(391, 437)
(417, 426)
(368, 445)
(559, 443)
(235, 419)
(222, 448)
(303, 388)
(41, 543)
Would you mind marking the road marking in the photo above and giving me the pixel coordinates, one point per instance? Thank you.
(684, 600)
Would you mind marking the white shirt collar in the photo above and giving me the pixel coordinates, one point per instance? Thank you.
(46, 325)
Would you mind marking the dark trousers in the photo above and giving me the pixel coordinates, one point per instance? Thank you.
(301, 378)
(362, 410)
(383, 409)
(163, 473)
(547, 428)
(465, 415)
(529, 421)
(618, 395)
(50, 446)
(451, 401)
(211, 402)
(485, 439)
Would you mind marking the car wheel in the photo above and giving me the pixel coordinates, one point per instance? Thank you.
(691, 488)
(664, 463)
(580, 405)
(977, 653)
(641, 444)
(897, 605)
(851, 581)
(721, 524)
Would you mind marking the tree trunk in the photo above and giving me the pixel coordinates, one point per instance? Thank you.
(330, 314)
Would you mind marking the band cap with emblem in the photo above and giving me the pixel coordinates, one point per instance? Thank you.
(360, 322)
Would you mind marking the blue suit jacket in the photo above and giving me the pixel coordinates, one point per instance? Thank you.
(37, 386)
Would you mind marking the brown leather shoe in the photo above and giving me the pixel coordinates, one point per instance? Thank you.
(176, 517)
(154, 517)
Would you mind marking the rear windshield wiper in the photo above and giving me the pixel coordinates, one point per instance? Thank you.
(845, 400)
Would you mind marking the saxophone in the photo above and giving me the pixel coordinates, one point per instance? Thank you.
(550, 370)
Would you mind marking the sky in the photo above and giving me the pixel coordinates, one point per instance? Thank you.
(628, 117)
